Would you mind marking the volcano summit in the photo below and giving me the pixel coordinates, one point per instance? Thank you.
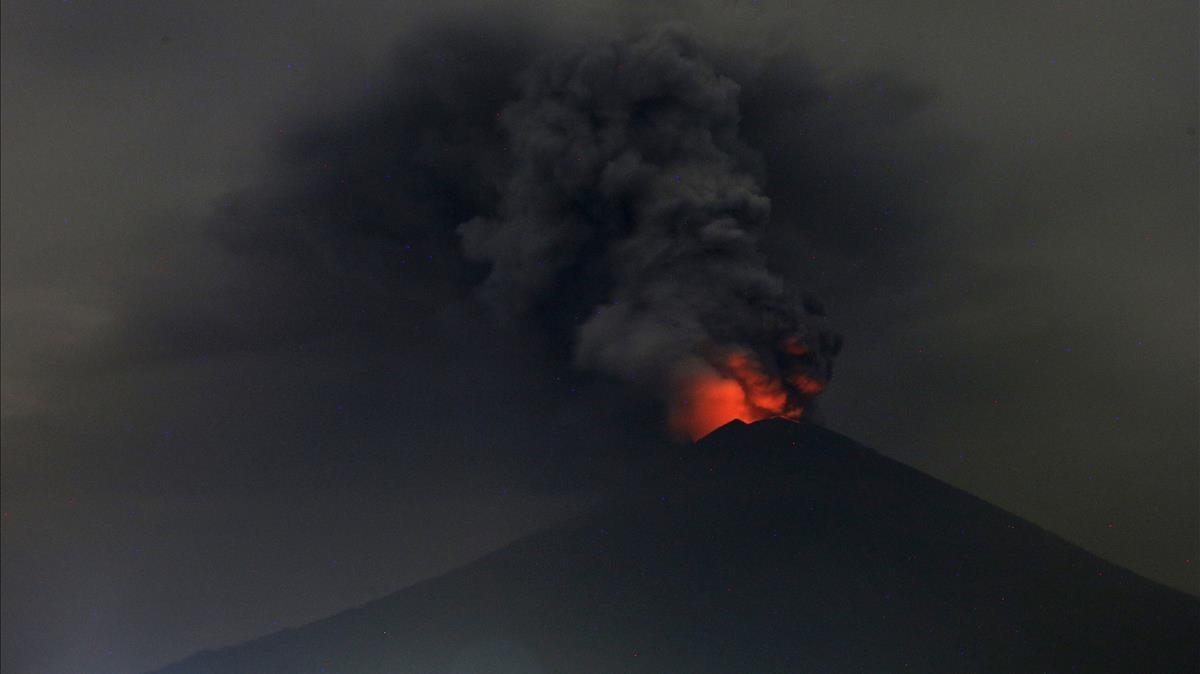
(769, 547)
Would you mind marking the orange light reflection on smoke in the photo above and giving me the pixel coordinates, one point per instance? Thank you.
(742, 390)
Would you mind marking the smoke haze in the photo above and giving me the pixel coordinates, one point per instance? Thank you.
(631, 209)
(251, 377)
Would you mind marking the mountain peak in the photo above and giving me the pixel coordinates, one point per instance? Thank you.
(773, 547)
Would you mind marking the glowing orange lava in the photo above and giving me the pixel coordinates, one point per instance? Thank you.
(738, 388)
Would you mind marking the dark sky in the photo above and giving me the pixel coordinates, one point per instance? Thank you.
(245, 384)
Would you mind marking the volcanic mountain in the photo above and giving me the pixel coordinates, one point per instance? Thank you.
(771, 547)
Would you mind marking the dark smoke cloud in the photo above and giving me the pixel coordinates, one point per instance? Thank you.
(316, 340)
(634, 208)
(352, 229)
(625, 191)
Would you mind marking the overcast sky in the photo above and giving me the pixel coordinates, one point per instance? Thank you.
(236, 399)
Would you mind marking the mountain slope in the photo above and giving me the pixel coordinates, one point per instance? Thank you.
(773, 547)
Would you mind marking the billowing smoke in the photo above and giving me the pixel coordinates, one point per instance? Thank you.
(633, 211)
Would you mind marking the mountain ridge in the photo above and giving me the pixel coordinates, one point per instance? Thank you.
(760, 548)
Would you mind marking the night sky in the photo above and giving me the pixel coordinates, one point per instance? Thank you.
(249, 379)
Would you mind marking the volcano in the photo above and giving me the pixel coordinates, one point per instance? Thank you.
(769, 547)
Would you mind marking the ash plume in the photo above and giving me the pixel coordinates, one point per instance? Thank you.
(633, 207)
(355, 232)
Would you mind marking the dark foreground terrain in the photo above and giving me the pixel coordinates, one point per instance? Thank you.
(773, 547)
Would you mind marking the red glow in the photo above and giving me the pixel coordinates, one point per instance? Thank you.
(794, 347)
(762, 392)
(738, 388)
(807, 385)
(706, 403)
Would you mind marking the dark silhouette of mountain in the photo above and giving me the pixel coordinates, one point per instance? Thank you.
(772, 547)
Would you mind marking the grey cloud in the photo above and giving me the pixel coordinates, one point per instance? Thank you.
(635, 207)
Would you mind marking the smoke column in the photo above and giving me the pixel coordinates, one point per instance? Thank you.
(633, 208)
